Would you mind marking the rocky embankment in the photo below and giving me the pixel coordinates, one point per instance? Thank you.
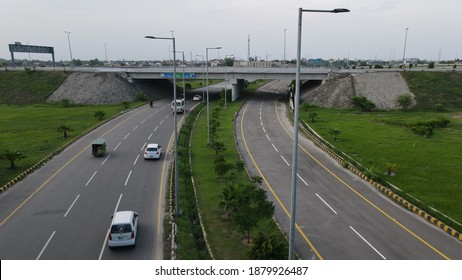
(382, 88)
(106, 88)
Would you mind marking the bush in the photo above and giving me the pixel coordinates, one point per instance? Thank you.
(439, 107)
(267, 248)
(65, 103)
(313, 116)
(142, 96)
(363, 103)
(125, 104)
(100, 115)
(404, 101)
(423, 130)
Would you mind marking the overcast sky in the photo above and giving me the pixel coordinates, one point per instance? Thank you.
(373, 29)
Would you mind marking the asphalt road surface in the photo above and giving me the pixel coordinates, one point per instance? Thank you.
(62, 211)
(339, 216)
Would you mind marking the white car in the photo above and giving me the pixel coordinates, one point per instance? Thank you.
(123, 230)
(152, 151)
(197, 98)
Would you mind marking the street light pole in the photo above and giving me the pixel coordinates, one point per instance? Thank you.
(203, 79)
(404, 52)
(177, 195)
(70, 50)
(296, 120)
(226, 80)
(184, 86)
(284, 64)
(207, 77)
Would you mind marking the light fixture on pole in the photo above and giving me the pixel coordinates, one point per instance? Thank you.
(226, 80)
(177, 195)
(70, 50)
(404, 52)
(207, 78)
(296, 119)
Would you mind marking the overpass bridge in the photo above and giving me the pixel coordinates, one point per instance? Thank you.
(235, 75)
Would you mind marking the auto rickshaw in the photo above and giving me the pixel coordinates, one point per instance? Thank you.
(98, 147)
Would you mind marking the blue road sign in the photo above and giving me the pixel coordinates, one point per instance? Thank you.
(178, 75)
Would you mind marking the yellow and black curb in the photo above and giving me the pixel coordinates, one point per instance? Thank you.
(401, 201)
(40, 163)
(408, 205)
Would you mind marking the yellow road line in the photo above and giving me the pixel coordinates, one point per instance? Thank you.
(361, 196)
(271, 189)
(59, 170)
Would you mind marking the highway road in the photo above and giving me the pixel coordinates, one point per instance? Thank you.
(62, 211)
(339, 216)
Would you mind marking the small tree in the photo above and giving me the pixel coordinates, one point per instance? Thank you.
(223, 168)
(65, 103)
(335, 133)
(404, 101)
(100, 115)
(439, 107)
(391, 168)
(125, 104)
(64, 129)
(253, 207)
(12, 156)
(247, 205)
(141, 96)
(313, 116)
(363, 103)
(267, 248)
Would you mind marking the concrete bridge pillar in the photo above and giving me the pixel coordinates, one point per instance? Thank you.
(238, 87)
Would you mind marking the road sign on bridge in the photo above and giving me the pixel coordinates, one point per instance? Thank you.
(178, 75)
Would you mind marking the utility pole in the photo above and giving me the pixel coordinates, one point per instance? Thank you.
(248, 48)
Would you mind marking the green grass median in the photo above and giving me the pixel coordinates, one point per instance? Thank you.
(226, 240)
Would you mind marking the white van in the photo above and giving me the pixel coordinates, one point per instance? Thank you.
(123, 229)
(179, 105)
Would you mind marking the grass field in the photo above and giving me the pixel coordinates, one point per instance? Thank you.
(427, 168)
(433, 88)
(28, 87)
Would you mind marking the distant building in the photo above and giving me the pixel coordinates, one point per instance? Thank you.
(257, 64)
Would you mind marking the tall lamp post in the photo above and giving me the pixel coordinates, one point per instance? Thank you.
(70, 50)
(296, 119)
(284, 63)
(207, 77)
(404, 51)
(177, 204)
(226, 79)
(184, 85)
(203, 78)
